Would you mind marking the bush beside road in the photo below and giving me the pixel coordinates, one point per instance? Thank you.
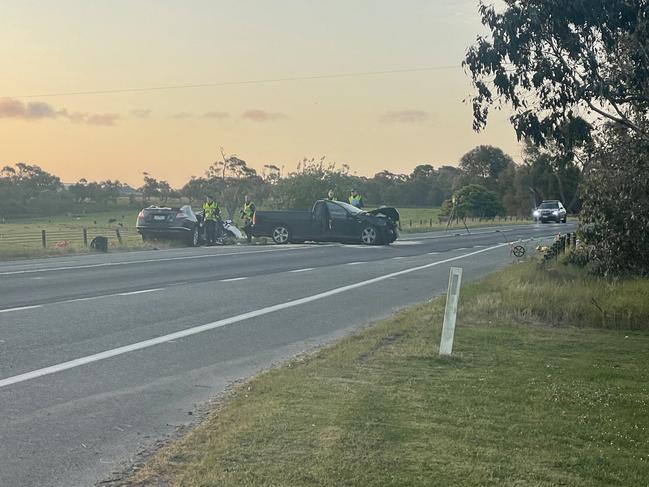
(545, 388)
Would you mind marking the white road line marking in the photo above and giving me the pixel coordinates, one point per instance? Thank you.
(462, 248)
(398, 257)
(9, 310)
(303, 270)
(144, 261)
(233, 279)
(143, 291)
(355, 263)
(75, 300)
(433, 253)
(218, 324)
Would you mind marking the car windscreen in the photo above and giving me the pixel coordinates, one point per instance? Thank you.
(352, 209)
(549, 206)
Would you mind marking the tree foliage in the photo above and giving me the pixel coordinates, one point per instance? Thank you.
(474, 200)
(615, 215)
(561, 64)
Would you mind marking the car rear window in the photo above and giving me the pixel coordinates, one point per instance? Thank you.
(548, 206)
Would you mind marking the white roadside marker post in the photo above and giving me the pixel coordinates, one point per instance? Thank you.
(452, 297)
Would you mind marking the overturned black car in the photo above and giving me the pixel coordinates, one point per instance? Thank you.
(329, 221)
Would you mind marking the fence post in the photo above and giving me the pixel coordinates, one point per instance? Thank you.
(450, 313)
(411, 223)
(119, 236)
(431, 222)
(43, 239)
(85, 236)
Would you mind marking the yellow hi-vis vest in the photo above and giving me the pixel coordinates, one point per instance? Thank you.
(248, 209)
(209, 211)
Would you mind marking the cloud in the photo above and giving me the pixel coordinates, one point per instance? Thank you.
(10, 108)
(102, 119)
(141, 113)
(218, 115)
(263, 116)
(37, 110)
(406, 116)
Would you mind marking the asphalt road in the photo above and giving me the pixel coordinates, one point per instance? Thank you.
(103, 355)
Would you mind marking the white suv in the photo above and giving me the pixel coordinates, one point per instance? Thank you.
(550, 210)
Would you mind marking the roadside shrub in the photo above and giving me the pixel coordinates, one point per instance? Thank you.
(615, 213)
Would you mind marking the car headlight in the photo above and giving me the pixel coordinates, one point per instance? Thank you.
(536, 213)
(555, 212)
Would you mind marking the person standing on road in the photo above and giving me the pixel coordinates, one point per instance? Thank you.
(211, 213)
(356, 199)
(331, 196)
(247, 213)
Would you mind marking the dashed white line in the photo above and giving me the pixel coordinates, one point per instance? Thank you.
(398, 257)
(303, 270)
(143, 291)
(433, 253)
(218, 324)
(355, 263)
(21, 308)
(232, 279)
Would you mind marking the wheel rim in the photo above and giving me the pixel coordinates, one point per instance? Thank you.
(368, 235)
(280, 235)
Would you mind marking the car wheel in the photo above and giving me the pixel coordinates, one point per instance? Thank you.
(565, 219)
(281, 234)
(193, 238)
(145, 238)
(369, 236)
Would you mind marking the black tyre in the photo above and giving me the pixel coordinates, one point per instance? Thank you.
(193, 238)
(281, 235)
(369, 235)
(145, 237)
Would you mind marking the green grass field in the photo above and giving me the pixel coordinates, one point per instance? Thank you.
(64, 234)
(530, 398)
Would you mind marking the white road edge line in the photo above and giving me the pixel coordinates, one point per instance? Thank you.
(355, 263)
(302, 270)
(233, 279)
(9, 310)
(143, 291)
(218, 324)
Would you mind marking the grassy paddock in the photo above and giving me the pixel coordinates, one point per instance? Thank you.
(518, 405)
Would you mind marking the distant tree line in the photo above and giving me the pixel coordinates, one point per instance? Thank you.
(506, 188)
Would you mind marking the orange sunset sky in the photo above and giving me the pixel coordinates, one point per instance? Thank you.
(371, 122)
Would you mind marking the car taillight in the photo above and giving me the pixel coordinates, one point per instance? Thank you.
(140, 215)
(254, 218)
(180, 214)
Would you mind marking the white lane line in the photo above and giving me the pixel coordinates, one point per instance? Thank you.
(143, 291)
(233, 279)
(9, 310)
(433, 253)
(398, 257)
(355, 263)
(218, 324)
(462, 248)
(303, 270)
(144, 261)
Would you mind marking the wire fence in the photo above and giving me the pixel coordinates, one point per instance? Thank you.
(63, 238)
(443, 221)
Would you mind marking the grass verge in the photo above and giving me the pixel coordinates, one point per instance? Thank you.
(518, 405)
